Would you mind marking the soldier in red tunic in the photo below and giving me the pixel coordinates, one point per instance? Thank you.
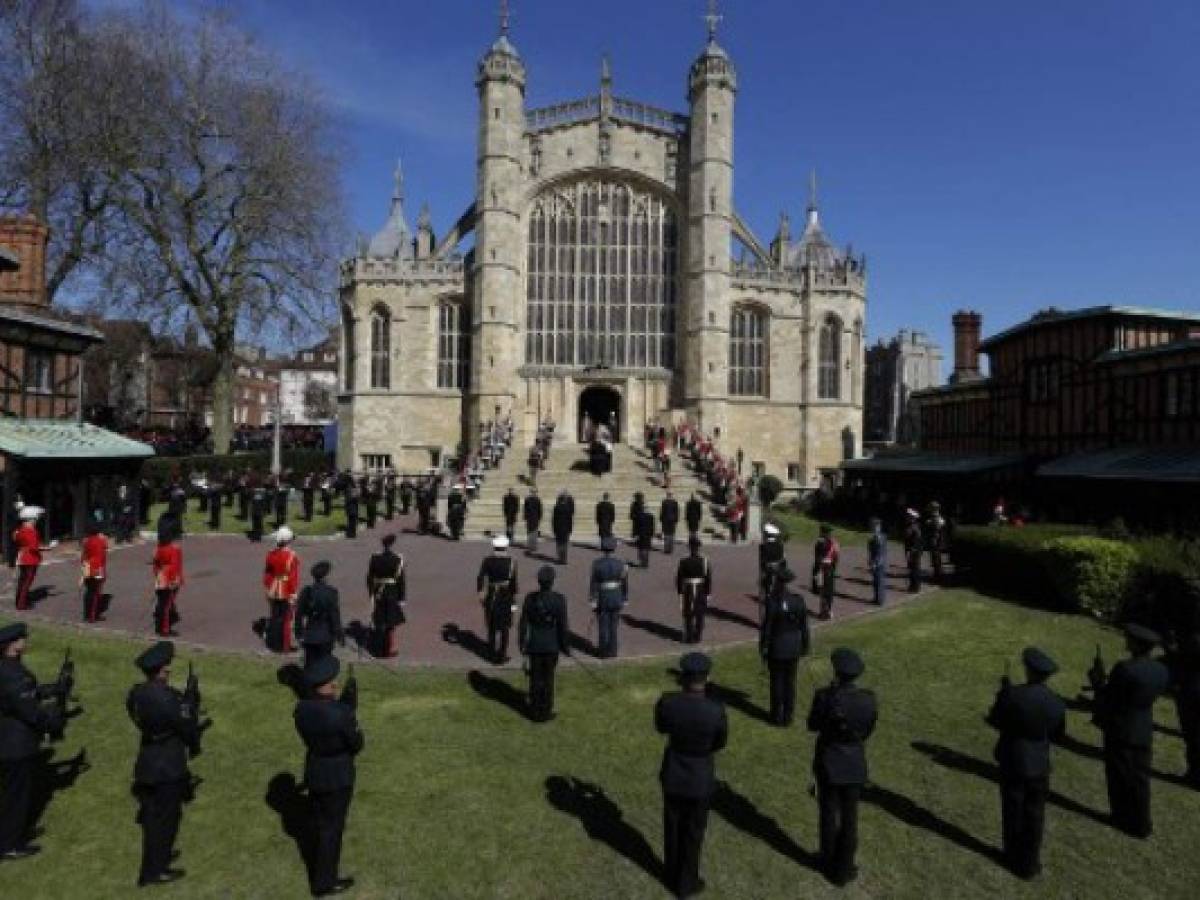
(281, 578)
(93, 571)
(29, 548)
(168, 579)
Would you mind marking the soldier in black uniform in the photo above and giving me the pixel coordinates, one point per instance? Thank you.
(406, 496)
(562, 523)
(693, 583)
(308, 495)
(497, 587)
(389, 495)
(456, 512)
(387, 586)
(693, 514)
(541, 636)
(636, 506)
(1125, 713)
(329, 728)
(668, 518)
(244, 493)
(784, 638)
(913, 545)
(370, 495)
(532, 511)
(644, 532)
(319, 604)
(843, 715)
(1186, 675)
(606, 516)
(350, 502)
(771, 561)
(512, 508)
(170, 725)
(282, 491)
(327, 496)
(25, 718)
(608, 590)
(696, 728)
(214, 505)
(258, 502)
(1028, 716)
(424, 507)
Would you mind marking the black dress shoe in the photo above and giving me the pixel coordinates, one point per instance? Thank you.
(22, 852)
(339, 887)
(164, 877)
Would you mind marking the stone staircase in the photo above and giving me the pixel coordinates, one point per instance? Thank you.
(632, 471)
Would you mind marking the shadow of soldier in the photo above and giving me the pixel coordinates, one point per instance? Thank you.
(735, 699)
(740, 812)
(735, 618)
(659, 630)
(291, 804)
(499, 691)
(50, 777)
(602, 820)
(291, 676)
(468, 640)
(914, 815)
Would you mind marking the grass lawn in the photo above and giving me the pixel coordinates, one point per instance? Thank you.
(195, 522)
(804, 529)
(460, 797)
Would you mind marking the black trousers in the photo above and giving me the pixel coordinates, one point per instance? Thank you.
(541, 684)
(16, 794)
(329, 811)
(914, 572)
(498, 625)
(160, 809)
(783, 689)
(684, 822)
(351, 524)
(839, 827)
(214, 514)
(1127, 772)
(694, 608)
(1187, 704)
(1023, 817)
(307, 500)
(564, 547)
(608, 622)
(93, 591)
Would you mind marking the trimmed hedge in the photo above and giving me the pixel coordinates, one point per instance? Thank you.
(161, 471)
(1090, 574)
(1009, 561)
(769, 489)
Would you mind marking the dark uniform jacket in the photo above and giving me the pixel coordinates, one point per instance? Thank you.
(844, 716)
(319, 603)
(562, 518)
(543, 624)
(770, 553)
(690, 568)
(23, 718)
(498, 574)
(913, 542)
(169, 733)
(533, 511)
(693, 512)
(668, 515)
(1028, 717)
(636, 507)
(644, 529)
(610, 583)
(330, 732)
(512, 506)
(606, 514)
(696, 729)
(1125, 704)
(784, 633)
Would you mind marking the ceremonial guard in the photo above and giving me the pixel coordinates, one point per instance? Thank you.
(693, 514)
(28, 544)
(512, 508)
(644, 532)
(308, 495)
(25, 718)
(542, 634)
(1186, 672)
(693, 583)
(771, 561)
(497, 588)
(668, 518)
(843, 715)
(532, 511)
(935, 539)
(93, 560)
(327, 496)
(424, 507)
(214, 505)
(913, 547)
(167, 566)
(388, 589)
(350, 502)
(609, 592)
(824, 570)
(169, 721)
(562, 523)
(1125, 714)
(456, 512)
(1028, 716)
(877, 549)
(329, 728)
(258, 512)
(245, 492)
(636, 507)
(696, 729)
(406, 495)
(783, 639)
(279, 499)
(606, 517)
(370, 494)
(281, 579)
(389, 495)
(319, 608)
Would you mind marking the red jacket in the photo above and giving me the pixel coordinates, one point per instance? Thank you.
(281, 577)
(168, 567)
(94, 556)
(29, 545)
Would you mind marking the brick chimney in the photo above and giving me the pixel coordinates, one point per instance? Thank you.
(967, 327)
(25, 238)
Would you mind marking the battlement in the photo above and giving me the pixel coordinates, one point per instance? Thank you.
(850, 275)
(358, 269)
(588, 109)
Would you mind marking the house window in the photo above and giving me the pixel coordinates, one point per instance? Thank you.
(793, 471)
(308, 357)
(829, 359)
(454, 347)
(381, 348)
(748, 353)
(376, 461)
(1043, 381)
(39, 372)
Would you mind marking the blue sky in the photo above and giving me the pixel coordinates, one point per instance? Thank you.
(1002, 156)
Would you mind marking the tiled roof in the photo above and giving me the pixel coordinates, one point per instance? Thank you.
(54, 439)
(1089, 312)
(1162, 464)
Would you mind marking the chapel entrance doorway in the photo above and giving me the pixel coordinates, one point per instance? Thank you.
(599, 405)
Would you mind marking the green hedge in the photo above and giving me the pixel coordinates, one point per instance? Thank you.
(163, 470)
(1009, 561)
(1090, 574)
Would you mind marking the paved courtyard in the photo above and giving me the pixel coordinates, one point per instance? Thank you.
(223, 595)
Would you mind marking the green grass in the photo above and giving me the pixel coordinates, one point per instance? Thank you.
(452, 799)
(197, 522)
(804, 529)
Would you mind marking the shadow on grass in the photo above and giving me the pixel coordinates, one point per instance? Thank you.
(1093, 752)
(913, 814)
(740, 812)
(291, 676)
(289, 802)
(51, 777)
(468, 640)
(725, 615)
(582, 644)
(499, 691)
(738, 700)
(659, 630)
(603, 820)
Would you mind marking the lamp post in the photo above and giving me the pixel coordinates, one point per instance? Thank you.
(277, 437)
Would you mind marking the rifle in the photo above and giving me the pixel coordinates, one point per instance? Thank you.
(60, 692)
(1095, 675)
(350, 691)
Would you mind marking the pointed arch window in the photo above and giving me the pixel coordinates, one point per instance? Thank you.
(856, 363)
(349, 349)
(748, 352)
(829, 365)
(381, 348)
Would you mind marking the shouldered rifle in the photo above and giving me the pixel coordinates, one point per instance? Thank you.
(191, 693)
(350, 691)
(60, 693)
(1096, 675)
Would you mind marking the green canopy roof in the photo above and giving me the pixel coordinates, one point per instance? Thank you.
(55, 439)
(935, 463)
(1161, 464)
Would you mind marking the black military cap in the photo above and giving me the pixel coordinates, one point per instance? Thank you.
(1039, 662)
(695, 665)
(546, 576)
(321, 569)
(317, 635)
(1142, 634)
(846, 663)
(156, 657)
(388, 540)
(322, 671)
(13, 631)
(608, 544)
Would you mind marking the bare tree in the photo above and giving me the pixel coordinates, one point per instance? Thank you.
(320, 400)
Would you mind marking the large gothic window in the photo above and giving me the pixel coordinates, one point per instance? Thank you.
(601, 284)
(349, 349)
(381, 348)
(454, 347)
(830, 359)
(748, 352)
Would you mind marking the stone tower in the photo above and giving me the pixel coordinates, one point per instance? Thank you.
(496, 308)
(712, 84)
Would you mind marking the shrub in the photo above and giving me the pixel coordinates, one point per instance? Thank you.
(1090, 574)
(1010, 561)
(769, 489)
(163, 470)
(1165, 587)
